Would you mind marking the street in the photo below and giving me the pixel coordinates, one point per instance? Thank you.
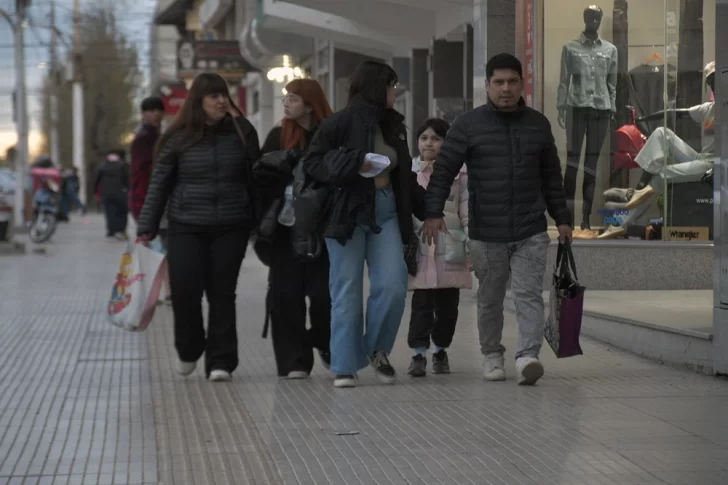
(82, 402)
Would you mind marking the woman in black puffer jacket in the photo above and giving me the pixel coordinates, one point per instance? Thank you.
(291, 279)
(203, 173)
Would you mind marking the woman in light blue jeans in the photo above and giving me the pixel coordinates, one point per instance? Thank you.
(361, 153)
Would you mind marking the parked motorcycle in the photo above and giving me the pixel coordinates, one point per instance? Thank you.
(45, 211)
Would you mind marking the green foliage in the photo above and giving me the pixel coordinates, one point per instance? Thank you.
(111, 79)
(661, 202)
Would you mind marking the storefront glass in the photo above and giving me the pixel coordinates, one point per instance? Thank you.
(593, 66)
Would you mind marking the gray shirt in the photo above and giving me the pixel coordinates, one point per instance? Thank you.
(588, 74)
(705, 115)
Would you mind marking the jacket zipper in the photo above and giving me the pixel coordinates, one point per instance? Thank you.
(217, 180)
(516, 151)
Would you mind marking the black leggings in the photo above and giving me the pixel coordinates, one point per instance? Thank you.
(206, 262)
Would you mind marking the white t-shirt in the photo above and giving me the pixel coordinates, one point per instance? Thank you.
(704, 114)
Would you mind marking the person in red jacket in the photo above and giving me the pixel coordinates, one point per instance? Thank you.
(142, 153)
(142, 160)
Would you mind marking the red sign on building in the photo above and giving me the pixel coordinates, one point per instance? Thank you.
(173, 99)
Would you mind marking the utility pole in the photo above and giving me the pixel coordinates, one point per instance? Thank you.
(78, 122)
(21, 113)
(54, 140)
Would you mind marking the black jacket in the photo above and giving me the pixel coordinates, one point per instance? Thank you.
(271, 174)
(112, 178)
(207, 184)
(335, 157)
(514, 173)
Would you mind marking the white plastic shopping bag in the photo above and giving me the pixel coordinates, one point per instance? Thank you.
(136, 288)
(378, 164)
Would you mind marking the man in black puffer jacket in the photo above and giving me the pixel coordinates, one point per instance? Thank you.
(514, 177)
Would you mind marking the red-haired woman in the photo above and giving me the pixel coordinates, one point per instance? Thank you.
(292, 279)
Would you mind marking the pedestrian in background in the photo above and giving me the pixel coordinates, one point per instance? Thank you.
(142, 153)
(292, 279)
(361, 152)
(443, 269)
(203, 169)
(142, 160)
(112, 181)
(514, 178)
(71, 189)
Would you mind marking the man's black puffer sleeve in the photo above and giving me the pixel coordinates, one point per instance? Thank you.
(448, 164)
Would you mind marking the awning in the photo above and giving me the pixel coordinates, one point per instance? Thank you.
(344, 32)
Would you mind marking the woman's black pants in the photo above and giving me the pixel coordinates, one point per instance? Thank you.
(206, 262)
(291, 280)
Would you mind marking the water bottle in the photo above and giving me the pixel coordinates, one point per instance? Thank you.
(286, 217)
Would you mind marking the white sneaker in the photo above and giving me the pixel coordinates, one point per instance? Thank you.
(345, 381)
(297, 374)
(185, 368)
(530, 370)
(219, 375)
(493, 368)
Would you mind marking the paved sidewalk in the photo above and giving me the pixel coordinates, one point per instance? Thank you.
(82, 402)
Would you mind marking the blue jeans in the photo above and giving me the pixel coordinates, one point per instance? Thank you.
(383, 253)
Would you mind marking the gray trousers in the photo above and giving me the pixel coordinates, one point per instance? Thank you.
(525, 263)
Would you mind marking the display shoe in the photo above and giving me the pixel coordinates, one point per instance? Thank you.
(640, 197)
(612, 232)
(585, 234)
(618, 195)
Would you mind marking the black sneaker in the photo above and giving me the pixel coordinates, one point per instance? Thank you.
(325, 359)
(440, 362)
(418, 366)
(385, 372)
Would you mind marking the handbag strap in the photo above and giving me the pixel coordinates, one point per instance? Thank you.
(565, 260)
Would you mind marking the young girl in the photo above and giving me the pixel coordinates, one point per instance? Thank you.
(443, 269)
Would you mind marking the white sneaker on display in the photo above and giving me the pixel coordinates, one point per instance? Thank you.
(530, 370)
(185, 368)
(219, 375)
(493, 368)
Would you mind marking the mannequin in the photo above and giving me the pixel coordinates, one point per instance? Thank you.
(666, 158)
(586, 104)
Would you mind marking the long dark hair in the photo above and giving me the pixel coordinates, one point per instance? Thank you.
(190, 121)
(369, 82)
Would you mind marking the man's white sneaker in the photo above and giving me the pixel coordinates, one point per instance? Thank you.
(530, 370)
(185, 368)
(220, 376)
(493, 368)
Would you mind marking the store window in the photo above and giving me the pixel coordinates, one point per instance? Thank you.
(626, 86)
